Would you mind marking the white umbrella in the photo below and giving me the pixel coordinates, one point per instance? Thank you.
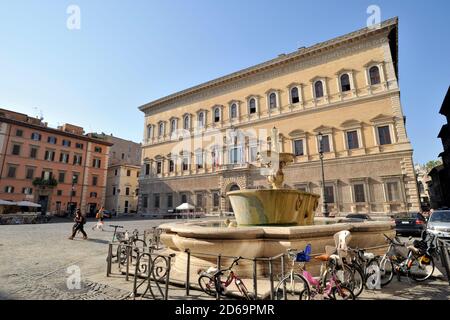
(186, 206)
(6, 203)
(28, 204)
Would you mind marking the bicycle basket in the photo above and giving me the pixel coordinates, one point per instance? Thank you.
(304, 256)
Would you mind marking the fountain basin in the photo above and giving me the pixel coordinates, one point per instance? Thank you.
(273, 207)
(213, 238)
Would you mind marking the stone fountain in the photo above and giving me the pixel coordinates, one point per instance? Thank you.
(268, 222)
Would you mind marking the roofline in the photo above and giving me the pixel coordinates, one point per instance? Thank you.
(283, 59)
(125, 165)
(446, 102)
(55, 131)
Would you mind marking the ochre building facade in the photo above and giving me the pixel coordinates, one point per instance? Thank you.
(202, 142)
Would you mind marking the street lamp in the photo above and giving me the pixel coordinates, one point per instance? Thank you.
(324, 202)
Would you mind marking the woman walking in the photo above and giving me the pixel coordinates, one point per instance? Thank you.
(80, 221)
(99, 216)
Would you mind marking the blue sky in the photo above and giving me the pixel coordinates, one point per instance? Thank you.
(128, 53)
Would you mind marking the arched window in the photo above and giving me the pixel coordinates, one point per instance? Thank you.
(173, 125)
(233, 111)
(161, 129)
(201, 120)
(216, 115)
(186, 123)
(374, 74)
(318, 89)
(345, 82)
(149, 131)
(252, 105)
(295, 98)
(273, 100)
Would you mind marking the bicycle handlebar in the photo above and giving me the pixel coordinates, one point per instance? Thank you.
(113, 226)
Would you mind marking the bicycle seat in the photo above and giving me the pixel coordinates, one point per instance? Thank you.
(322, 257)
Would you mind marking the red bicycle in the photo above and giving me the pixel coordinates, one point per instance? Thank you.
(211, 281)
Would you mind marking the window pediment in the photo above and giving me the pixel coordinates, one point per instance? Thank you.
(342, 71)
(294, 84)
(323, 129)
(351, 123)
(372, 63)
(321, 78)
(297, 133)
(273, 91)
(382, 118)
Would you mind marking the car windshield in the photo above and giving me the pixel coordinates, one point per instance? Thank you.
(440, 216)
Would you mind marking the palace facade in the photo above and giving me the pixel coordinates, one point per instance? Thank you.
(202, 142)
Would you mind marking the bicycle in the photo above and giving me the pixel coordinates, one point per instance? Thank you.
(318, 289)
(418, 264)
(293, 284)
(210, 281)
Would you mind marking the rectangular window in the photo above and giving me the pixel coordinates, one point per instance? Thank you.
(183, 198)
(171, 166)
(185, 164)
(199, 200)
(74, 193)
(128, 173)
(96, 163)
(59, 193)
(16, 149)
(156, 201)
(64, 157)
(98, 150)
(33, 152)
(114, 191)
(384, 135)
(325, 145)
(61, 177)
(235, 155)
(75, 177)
(51, 140)
(79, 145)
(359, 193)
(94, 180)
(158, 167)
(216, 199)
(145, 202)
(127, 191)
(19, 133)
(392, 191)
(329, 194)
(9, 189)
(253, 153)
(352, 140)
(12, 172)
(169, 201)
(147, 169)
(49, 155)
(30, 174)
(77, 159)
(199, 160)
(298, 147)
(36, 136)
(27, 191)
(66, 143)
(46, 175)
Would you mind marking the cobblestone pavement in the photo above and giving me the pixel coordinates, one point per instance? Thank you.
(35, 261)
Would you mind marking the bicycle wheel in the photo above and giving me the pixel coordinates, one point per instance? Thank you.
(243, 290)
(292, 288)
(349, 277)
(371, 274)
(421, 268)
(358, 279)
(207, 285)
(386, 270)
(342, 293)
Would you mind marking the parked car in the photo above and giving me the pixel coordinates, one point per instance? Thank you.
(412, 224)
(439, 223)
(361, 216)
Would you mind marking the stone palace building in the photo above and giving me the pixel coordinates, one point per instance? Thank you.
(202, 142)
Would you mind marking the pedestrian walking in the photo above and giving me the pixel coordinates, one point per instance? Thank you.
(100, 216)
(80, 221)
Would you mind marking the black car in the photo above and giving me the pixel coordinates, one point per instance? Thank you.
(360, 216)
(412, 224)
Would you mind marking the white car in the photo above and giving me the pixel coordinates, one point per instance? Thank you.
(439, 223)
